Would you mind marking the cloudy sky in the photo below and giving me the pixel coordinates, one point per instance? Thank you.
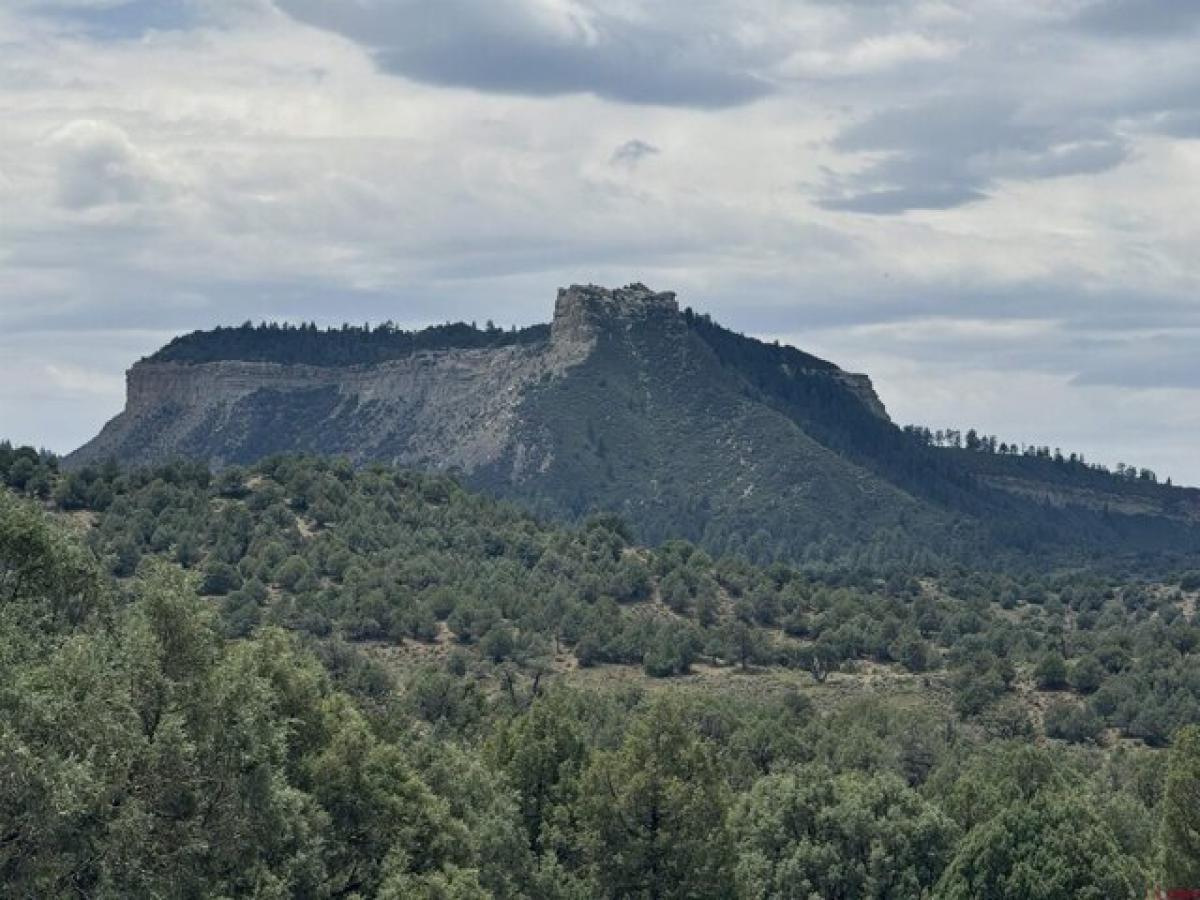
(988, 205)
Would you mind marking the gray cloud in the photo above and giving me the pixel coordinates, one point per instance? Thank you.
(116, 19)
(1141, 361)
(632, 152)
(1139, 18)
(530, 47)
(1070, 352)
(949, 151)
(1181, 123)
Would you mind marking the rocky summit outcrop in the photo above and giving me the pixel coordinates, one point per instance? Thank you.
(582, 312)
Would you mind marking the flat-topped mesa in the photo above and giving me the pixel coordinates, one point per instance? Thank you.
(582, 310)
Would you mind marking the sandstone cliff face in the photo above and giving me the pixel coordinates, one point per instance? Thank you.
(451, 409)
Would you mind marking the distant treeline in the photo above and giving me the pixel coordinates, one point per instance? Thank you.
(985, 443)
(27, 471)
(343, 346)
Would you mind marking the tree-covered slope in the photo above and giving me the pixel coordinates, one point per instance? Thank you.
(651, 425)
(1030, 504)
(303, 680)
(411, 561)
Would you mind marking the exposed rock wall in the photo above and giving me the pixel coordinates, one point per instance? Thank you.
(447, 409)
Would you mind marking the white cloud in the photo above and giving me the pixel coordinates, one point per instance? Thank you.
(870, 55)
(96, 165)
(77, 380)
(1036, 171)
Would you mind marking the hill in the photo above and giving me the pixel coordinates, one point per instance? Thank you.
(625, 404)
(304, 679)
(418, 568)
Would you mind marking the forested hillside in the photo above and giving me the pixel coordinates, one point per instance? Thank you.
(1006, 504)
(302, 679)
(763, 451)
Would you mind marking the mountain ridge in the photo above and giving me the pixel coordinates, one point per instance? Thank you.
(624, 403)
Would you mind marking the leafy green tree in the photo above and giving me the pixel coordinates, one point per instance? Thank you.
(125, 559)
(231, 483)
(219, 579)
(482, 805)
(652, 813)
(1051, 848)
(631, 581)
(1008, 719)
(821, 659)
(438, 697)
(499, 643)
(742, 642)
(544, 751)
(676, 592)
(1180, 830)
(1086, 675)
(671, 651)
(807, 833)
(913, 652)
(450, 883)
(46, 578)
(147, 761)
(976, 687)
(293, 574)
(72, 492)
(376, 803)
(1072, 722)
(1051, 672)
(978, 788)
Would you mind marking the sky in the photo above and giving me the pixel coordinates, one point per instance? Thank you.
(990, 206)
